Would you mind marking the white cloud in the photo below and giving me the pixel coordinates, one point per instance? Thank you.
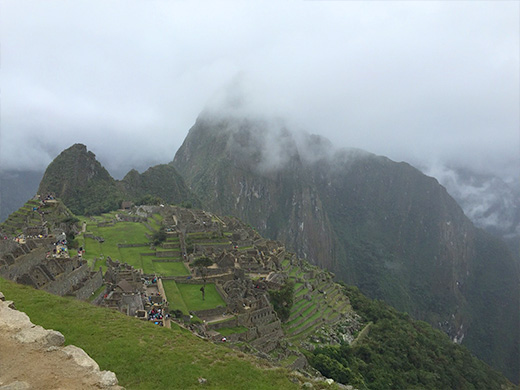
(410, 80)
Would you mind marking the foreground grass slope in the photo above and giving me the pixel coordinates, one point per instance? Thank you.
(142, 355)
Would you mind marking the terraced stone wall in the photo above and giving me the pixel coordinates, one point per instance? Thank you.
(92, 284)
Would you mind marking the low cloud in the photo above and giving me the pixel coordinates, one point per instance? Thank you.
(415, 81)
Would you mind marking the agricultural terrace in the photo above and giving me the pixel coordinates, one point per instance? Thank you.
(111, 240)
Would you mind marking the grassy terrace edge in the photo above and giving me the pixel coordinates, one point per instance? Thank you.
(142, 355)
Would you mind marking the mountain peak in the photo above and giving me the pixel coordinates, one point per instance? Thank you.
(83, 184)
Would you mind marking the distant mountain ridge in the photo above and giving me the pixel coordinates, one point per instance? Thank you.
(161, 181)
(86, 187)
(380, 225)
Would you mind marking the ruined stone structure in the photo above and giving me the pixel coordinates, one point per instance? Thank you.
(31, 264)
(238, 253)
(125, 290)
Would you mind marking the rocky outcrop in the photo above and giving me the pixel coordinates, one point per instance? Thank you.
(35, 358)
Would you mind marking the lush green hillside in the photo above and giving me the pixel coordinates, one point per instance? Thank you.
(142, 355)
(377, 224)
(396, 352)
(86, 187)
(81, 182)
(391, 350)
(160, 181)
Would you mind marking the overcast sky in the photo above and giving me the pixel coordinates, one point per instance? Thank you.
(419, 81)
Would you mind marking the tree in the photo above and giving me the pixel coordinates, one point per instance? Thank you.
(159, 236)
(282, 300)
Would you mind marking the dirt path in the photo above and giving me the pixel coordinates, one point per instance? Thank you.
(33, 358)
(41, 370)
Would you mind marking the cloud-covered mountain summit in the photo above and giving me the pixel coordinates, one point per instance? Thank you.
(381, 225)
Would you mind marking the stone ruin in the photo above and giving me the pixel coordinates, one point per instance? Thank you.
(247, 301)
(31, 264)
(134, 293)
(124, 288)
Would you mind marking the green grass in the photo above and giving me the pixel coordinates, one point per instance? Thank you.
(192, 296)
(302, 292)
(307, 321)
(230, 331)
(174, 297)
(120, 233)
(133, 256)
(170, 268)
(142, 355)
(155, 222)
(147, 265)
(159, 249)
(96, 293)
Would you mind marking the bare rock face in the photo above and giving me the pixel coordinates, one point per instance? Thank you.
(34, 358)
(38, 335)
(80, 357)
(12, 320)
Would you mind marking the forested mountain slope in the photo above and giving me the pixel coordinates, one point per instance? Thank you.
(381, 225)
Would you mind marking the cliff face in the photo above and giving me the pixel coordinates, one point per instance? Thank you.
(380, 225)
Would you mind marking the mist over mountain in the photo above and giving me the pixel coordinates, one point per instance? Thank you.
(381, 225)
(15, 188)
(489, 201)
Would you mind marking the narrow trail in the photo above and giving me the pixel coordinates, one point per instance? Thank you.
(34, 358)
(38, 369)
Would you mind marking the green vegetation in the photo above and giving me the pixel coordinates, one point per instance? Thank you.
(159, 236)
(282, 300)
(159, 184)
(79, 180)
(234, 330)
(396, 352)
(170, 268)
(149, 200)
(192, 296)
(142, 355)
(174, 297)
(118, 234)
(202, 262)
